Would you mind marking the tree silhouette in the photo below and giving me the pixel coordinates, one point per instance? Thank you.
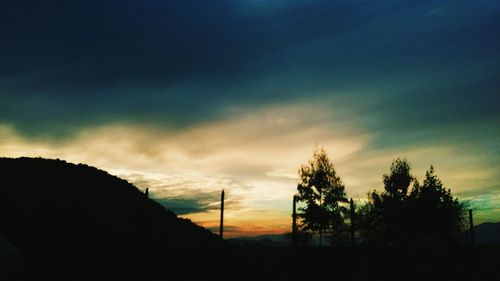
(384, 218)
(397, 182)
(426, 214)
(321, 190)
(436, 215)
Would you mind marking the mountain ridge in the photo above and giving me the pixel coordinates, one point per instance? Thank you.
(78, 217)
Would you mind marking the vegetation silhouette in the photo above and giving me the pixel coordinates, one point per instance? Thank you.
(75, 220)
(62, 221)
(427, 214)
(322, 190)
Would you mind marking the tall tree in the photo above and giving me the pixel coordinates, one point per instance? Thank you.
(396, 183)
(437, 216)
(384, 217)
(426, 214)
(321, 189)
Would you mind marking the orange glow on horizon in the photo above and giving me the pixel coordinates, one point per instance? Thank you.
(243, 224)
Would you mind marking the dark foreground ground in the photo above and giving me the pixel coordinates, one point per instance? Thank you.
(62, 222)
(279, 263)
(459, 263)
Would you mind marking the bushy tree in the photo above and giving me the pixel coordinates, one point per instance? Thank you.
(383, 217)
(397, 182)
(321, 189)
(426, 214)
(437, 216)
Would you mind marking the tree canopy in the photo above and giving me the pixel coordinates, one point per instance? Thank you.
(396, 183)
(321, 189)
(437, 215)
(427, 213)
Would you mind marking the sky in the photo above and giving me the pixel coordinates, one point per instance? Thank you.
(190, 97)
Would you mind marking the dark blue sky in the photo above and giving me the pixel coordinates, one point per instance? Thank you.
(67, 64)
(396, 78)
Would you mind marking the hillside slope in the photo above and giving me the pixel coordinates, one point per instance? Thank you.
(487, 233)
(66, 218)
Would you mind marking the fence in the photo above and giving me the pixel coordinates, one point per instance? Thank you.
(480, 226)
(483, 226)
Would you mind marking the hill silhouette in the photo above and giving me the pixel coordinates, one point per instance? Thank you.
(61, 221)
(487, 233)
(79, 221)
(266, 240)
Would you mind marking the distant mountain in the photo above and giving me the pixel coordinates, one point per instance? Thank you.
(487, 233)
(268, 240)
(68, 219)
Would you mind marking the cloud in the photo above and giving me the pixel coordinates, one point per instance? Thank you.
(246, 154)
(81, 64)
(484, 198)
(187, 98)
(188, 195)
(254, 156)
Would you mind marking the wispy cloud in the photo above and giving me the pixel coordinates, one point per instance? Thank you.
(187, 195)
(254, 155)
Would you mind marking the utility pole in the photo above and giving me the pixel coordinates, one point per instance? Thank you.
(294, 222)
(221, 227)
(352, 221)
(471, 227)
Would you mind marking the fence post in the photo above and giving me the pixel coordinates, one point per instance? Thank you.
(294, 222)
(351, 203)
(471, 227)
(221, 227)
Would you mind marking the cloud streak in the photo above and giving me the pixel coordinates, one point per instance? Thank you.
(188, 195)
(254, 155)
(143, 62)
